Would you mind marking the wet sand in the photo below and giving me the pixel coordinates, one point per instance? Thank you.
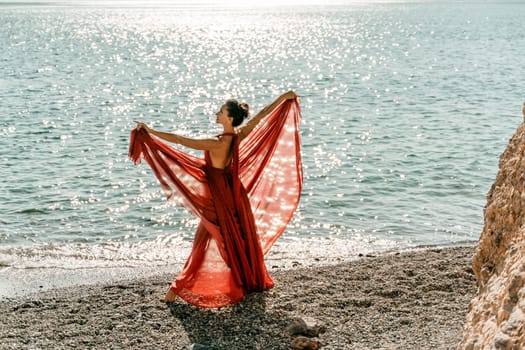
(404, 300)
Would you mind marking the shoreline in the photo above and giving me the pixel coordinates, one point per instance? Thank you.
(19, 282)
(414, 299)
(41, 267)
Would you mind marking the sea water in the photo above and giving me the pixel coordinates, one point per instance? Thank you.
(406, 108)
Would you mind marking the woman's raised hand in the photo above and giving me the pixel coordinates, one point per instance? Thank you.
(141, 125)
(289, 95)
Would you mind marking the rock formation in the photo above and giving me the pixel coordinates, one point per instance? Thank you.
(496, 317)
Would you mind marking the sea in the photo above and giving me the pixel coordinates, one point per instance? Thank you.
(406, 108)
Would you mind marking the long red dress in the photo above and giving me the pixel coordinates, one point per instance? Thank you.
(243, 208)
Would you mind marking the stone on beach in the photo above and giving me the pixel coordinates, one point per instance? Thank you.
(304, 343)
(306, 326)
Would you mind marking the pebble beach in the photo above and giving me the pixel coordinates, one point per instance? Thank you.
(398, 300)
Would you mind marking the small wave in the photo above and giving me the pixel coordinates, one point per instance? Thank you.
(32, 211)
(170, 249)
(24, 3)
(105, 255)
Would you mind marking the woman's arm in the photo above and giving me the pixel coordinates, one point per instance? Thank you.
(209, 144)
(252, 123)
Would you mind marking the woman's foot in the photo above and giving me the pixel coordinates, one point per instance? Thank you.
(170, 297)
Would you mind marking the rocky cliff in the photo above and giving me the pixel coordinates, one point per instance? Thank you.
(496, 317)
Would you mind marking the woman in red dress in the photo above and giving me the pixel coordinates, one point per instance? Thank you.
(245, 190)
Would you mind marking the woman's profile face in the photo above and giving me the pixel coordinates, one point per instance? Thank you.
(222, 115)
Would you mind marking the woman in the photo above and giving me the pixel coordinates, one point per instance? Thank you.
(263, 172)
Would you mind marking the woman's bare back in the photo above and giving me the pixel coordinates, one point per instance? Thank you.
(221, 157)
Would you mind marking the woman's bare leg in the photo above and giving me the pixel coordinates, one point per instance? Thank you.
(169, 297)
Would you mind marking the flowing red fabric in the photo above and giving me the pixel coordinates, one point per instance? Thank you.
(243, 208)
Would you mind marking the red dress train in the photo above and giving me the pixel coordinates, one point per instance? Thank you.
(243, 208)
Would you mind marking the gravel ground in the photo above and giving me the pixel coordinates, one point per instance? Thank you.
(404, 300)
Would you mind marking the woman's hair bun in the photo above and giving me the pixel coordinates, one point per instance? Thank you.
(237, 111)
(244, 108)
